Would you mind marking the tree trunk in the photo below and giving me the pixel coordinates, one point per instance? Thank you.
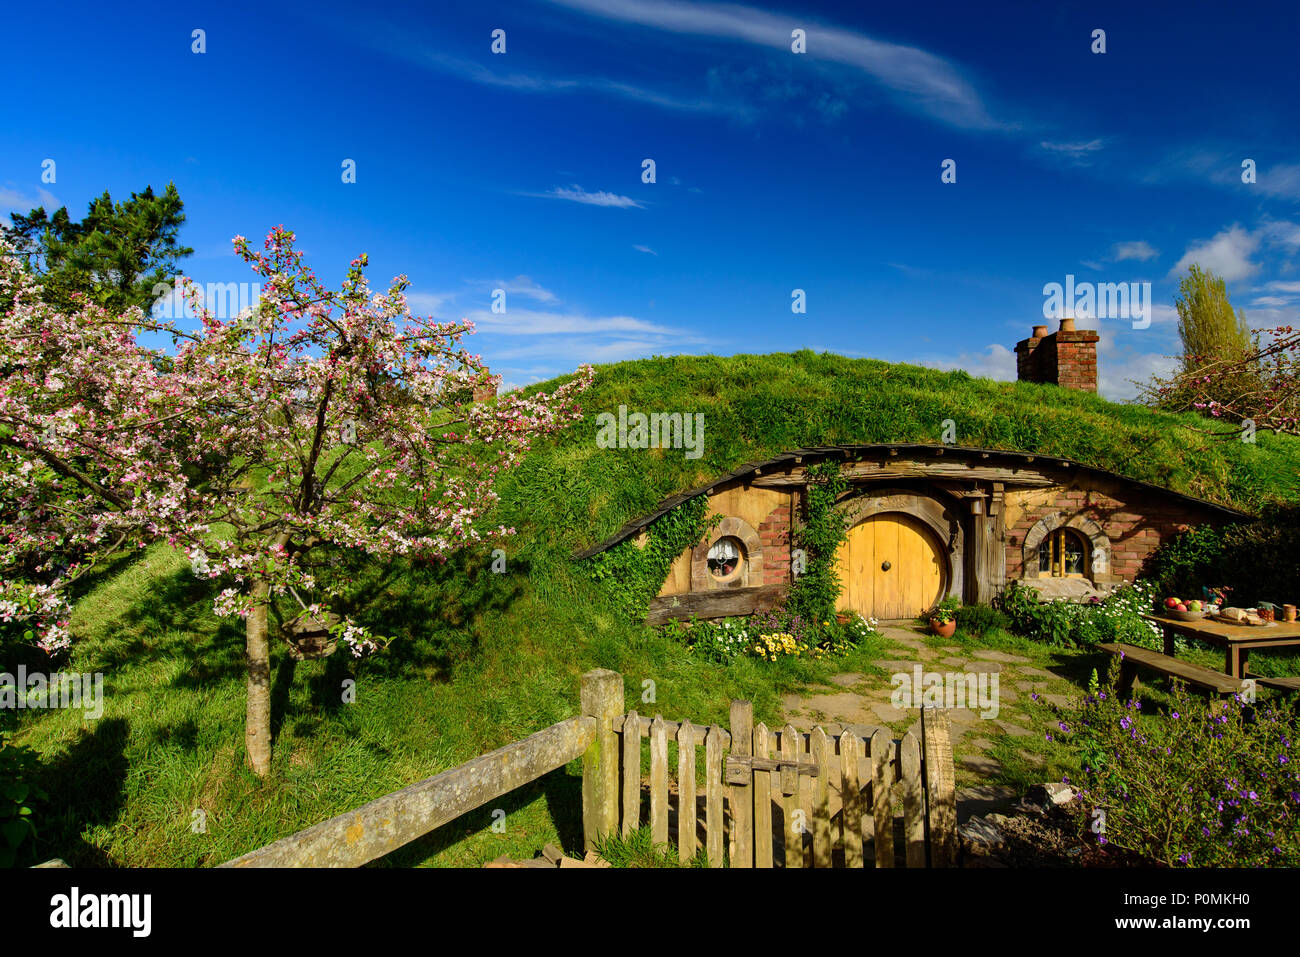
(257, 727)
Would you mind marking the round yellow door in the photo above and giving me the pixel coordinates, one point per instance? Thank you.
(890, 567)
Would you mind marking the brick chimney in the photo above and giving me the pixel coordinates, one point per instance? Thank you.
(1067, 357)
(485, 391)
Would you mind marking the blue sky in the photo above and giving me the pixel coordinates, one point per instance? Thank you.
(775, 171)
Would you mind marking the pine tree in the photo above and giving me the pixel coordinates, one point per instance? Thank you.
(115, 256)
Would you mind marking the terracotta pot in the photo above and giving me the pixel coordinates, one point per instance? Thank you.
(943, 631)
(842, 619)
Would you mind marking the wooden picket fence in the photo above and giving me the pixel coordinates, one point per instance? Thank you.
(749, 773)
(770, 795)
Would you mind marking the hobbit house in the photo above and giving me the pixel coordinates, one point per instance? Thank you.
(925, 522)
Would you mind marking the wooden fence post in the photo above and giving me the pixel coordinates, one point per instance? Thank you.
(940, 787)
(742, 797)
(602, 699)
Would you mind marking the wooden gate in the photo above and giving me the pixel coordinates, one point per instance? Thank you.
(778, 797)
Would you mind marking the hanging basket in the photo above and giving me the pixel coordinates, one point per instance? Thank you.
(309, 637)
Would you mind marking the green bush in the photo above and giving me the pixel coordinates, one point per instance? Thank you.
(1113, 618)
(1181, 565)
(1208, 784)
(980, 620)
(1257, 560)
(16, 797)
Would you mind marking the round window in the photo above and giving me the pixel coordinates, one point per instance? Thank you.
(725, 557)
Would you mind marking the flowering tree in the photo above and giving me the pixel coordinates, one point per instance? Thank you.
(317, 419)
(1262, 386)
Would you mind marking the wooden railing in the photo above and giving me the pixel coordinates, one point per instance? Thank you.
(784, 770)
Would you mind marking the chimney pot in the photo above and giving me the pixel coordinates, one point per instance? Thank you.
(1067, 358)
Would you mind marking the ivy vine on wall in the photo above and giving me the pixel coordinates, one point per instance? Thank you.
(633, 575)
(814, 594)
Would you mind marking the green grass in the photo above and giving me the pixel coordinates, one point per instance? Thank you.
(639, 850)
(483, 659)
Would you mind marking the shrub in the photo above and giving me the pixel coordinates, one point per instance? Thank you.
(1210, 783)
(980, 620)
(1257, 560)
(16, 797)
(1260, 561)
(1113, 618)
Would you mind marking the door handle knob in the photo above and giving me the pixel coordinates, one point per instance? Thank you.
(885, 566)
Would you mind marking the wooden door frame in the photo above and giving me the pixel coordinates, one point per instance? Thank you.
(941, 519)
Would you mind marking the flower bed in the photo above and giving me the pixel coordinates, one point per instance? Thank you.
(771, 636)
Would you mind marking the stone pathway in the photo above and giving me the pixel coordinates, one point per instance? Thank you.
(861, 701)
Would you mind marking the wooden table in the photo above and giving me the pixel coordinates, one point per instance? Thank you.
(1237, 641)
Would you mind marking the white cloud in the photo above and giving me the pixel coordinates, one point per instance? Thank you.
(997, 362)
(1138, 249)
(644, 249)
(1227, 255)
(20, 202)
(1280, 286)
(913, 75)
(1116, 377)
(577, 194)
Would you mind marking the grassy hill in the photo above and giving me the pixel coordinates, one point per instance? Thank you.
(481, 658)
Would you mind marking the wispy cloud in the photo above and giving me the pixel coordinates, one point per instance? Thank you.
(521, 286)
(577, 194)
(14, 199)
(1283, 286)
(400, 45)
(1078, 153)
(532, 322)
(1222, 167)
(914, 76)
(1138, 249)
(644, 249)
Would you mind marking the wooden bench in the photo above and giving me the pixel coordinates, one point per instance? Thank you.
(1279, 684)
(1135, 657)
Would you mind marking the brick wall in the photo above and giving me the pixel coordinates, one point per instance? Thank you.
(486, 391)
(774, 533)
(1135, 525)
(1067, 358)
